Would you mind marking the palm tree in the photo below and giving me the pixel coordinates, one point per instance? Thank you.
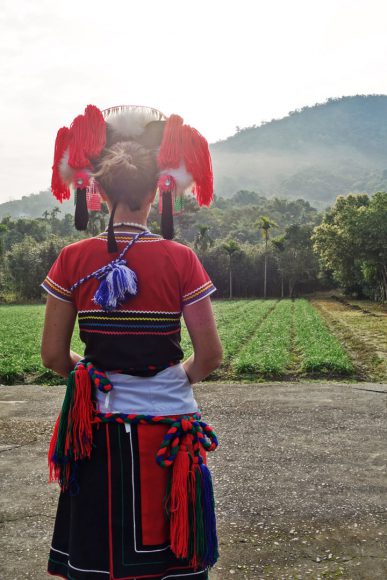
(203, 240)
(264, 224)
(231, 247)
(279, 247)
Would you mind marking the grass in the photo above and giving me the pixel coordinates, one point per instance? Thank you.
(364, 332)
(21, 329)
(320, 352)
(268, 353)
(262, 339)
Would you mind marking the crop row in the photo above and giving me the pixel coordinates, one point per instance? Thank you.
(319, 350)
(268, 352)
(236, 321)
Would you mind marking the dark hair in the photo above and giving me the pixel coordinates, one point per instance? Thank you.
(127, 172)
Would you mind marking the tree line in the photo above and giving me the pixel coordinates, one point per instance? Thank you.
(250, 245)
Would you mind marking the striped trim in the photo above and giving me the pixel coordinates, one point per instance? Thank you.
(55, 290)
(127, 237)
(198, 294)
(129, 322)
(126, 332)
(134, 312)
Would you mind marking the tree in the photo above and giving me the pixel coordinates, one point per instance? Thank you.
(231, 248)
(203, 241)
(297, 261)
(94, 223)
(54, 216)
(265, 224)
(351, 243)
(28, 262)
(279, 249)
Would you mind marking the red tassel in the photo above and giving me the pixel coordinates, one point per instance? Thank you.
(182, 143)
(197, 160)
(58, 188)
(53, 467)
(88, 137)
(79, 134)
(96, 132)
(171, 147)
(193, 562)
(82, 412)
(179, 507)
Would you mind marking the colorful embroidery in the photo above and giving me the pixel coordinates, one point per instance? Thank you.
(55, 290)
(127, 236)
(129, 322)
(199, 293)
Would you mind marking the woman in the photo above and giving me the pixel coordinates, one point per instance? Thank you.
(121, 514)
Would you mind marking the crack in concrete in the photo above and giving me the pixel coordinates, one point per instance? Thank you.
(17, 446)
(370, 390)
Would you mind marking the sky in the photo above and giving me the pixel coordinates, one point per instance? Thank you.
(217, 63)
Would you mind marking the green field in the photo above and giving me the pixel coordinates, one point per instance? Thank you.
(262, 339)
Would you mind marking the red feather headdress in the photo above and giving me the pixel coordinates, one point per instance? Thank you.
(183, 154)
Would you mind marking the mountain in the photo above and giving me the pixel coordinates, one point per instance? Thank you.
(315, 153)
(34, 205)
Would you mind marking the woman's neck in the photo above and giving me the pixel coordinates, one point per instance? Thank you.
(136, 217)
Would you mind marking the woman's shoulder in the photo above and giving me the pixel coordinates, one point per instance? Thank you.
(178, 248)
(80, 245)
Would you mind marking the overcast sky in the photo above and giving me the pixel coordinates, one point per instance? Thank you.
(217, 63)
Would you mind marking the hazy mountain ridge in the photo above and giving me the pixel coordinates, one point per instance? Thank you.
(317, 153)
(345, 121)
(34, 205)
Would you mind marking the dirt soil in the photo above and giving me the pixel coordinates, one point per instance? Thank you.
(300, 478)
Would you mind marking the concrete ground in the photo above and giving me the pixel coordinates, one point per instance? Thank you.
(300, 476)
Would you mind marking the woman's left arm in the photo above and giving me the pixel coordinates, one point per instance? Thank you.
(58, 330)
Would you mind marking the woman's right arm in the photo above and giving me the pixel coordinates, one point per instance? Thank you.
(207, 348)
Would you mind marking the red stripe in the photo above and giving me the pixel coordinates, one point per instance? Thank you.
(125, 332)
(56, 574)
(109, 500)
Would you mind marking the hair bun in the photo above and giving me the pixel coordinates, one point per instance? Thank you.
(131, 165)
(127, 171)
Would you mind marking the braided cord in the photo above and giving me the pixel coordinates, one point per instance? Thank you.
(181, 428)
(102, 270)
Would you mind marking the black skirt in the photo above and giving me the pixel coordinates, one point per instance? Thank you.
(116, 527)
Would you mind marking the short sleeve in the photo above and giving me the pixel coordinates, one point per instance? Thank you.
(56, 282)
(196, 282)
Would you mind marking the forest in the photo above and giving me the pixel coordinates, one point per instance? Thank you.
(251, 246)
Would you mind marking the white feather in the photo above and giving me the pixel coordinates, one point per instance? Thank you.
(65, 171)
(130, 122)
(183, 179)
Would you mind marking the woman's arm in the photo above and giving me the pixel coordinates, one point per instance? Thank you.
(58, 329)
(208, 352)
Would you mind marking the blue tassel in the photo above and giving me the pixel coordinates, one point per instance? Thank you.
(118, 283)
(211, 553)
